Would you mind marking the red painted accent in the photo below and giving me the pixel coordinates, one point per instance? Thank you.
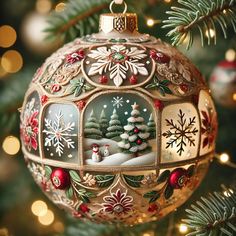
(133, 80)
(84, 208)
(136, 130)
(81, 104)
(159, 56)
(55, 88)
(139, 141)
(103, 79)
(184, 88)
(153, 208)
(158, 104)
(44, 99)
(60, 178)
(178, 178)
(75, 56)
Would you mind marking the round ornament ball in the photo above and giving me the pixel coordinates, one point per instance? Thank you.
(33, 35)
(118, 126)
(223, 83)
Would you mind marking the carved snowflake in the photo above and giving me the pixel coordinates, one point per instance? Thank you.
(181, 132)
(117, 102)
(118, 61)
(59, 134)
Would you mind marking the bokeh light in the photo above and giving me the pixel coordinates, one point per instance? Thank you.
(46, 219)
(150, 22)
(4, 232)
(224, 157)
(183, 229)
(230, 55)
(39, 208)
(60, 7)
(234, 96)
(43, 6)
(7, 36)
(210, 33)
(12, 61)
(11, 145)
(59, 227)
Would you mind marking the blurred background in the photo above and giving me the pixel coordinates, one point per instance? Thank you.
(24, 210)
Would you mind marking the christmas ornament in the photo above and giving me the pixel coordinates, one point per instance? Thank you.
(118, 126)
(223, 83)
(33, 35)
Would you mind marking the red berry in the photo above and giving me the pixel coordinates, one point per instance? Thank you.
(55, 88)
(159, 57)
(158, 104)
(153, 208)
(184, 88)
(60, 178)
(178, 178)
(44, 99)
(81, 104)
(103, 79)
(133, 80)
(84, 208)
(139, 141)
(136, 130)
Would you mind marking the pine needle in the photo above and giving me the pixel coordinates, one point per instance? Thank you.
(203, 15)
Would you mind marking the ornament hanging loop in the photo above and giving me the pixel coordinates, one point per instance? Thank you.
(118, 2)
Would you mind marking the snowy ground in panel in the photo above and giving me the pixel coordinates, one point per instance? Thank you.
(117, 158)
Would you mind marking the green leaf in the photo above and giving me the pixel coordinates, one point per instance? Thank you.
(153, 195)
(48, 171)
(74, 176)
(78, 91)
(69, 193)
(168, 192)
(163, 176)
(133, 181)
(167, 90)
(104, 181)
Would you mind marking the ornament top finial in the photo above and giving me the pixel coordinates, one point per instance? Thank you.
(117, 23)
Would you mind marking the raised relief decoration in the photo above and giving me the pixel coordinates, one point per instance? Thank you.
(117, 134)
(119, 63)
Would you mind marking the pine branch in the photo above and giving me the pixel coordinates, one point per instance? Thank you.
(202, 15)
(80, 18)
(215, 215)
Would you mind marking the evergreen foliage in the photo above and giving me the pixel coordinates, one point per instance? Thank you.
(81, 18)
(202, 15)
(134, 139)
(151, 127)
(115, 128)
(92, 127)
(215, 215)
(103, 123)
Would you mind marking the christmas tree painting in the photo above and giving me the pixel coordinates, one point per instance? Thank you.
(151, 127)
(92, 127)
(103, 123)
(115, 128)
(134, 139)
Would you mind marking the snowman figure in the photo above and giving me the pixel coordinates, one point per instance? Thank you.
(96, 156)
(106, 152)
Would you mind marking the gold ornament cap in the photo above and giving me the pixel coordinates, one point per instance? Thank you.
(118, 22)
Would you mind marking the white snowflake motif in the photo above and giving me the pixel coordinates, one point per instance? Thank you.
(117, 102)
(181, 132)
(117, 61)
(59, 134)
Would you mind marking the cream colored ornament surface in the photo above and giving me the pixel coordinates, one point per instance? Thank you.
(118, 126)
